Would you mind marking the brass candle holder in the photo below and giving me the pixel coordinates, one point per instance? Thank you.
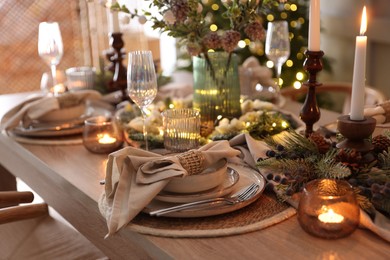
(119, 80)
(310, 112)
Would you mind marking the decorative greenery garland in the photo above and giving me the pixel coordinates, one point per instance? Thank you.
(299, 160)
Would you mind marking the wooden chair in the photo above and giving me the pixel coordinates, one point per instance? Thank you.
(9, 212)
(373, 96)
(29, 232)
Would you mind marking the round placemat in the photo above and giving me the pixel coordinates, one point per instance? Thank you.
(264, 212)
(58, 140)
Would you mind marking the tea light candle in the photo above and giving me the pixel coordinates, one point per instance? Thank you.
(58, 89)
(106, 139)
(328, 209)
(102, 135)
(329, 216)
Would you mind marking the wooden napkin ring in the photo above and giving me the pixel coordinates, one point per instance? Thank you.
(386, 106)
(192, 161)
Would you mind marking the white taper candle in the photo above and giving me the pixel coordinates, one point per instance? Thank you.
(359, 72)
(112, 19)
(314, 26)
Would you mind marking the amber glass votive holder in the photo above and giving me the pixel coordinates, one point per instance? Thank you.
(181, 129)
(328, 209)
(102, 135)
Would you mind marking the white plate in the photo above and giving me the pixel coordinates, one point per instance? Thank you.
(226, 187)
(247, 176)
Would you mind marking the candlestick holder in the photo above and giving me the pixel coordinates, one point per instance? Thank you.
(310, 112)
(119, 79)
(356, 135)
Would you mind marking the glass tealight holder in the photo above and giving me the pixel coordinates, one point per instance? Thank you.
(328, 209)
(102, 135)
(181, 129)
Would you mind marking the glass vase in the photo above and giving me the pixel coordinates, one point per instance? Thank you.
(216, 89)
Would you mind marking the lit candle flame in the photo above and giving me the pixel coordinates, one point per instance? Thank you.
(363, 25)
(58, 89)
(106, 139)
(329, 216)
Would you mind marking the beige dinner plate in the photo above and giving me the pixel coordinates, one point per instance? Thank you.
(247, 176)
(226, 187)
(78, 129)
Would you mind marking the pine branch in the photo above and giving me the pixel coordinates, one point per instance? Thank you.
(328, 168)
(384, 159)
(293, 143)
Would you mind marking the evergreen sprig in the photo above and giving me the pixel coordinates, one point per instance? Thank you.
(293, 143)
(326, 167)
(384, 159)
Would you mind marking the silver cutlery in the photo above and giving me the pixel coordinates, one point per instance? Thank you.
(242, 195)
(52, 127)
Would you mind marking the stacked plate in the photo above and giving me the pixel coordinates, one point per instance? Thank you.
(234, 178)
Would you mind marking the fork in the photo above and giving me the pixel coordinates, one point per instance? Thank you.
(242, 195)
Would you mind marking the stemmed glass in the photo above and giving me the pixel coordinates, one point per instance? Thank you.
(50, 47)
(142, 83)
(277, 45)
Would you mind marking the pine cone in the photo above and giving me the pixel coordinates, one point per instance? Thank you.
(194, 48)
(212, 41)
(180, 10)
(381, 143)
(255, 31)
(350, 158)
(322, 144)
(230, 40)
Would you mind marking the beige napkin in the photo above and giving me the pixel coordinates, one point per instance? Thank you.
(35, 107)
(381, 112)
(251, 72)
(134, 177)
(257, 149)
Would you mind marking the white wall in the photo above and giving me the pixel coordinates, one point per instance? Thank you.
(340, 22)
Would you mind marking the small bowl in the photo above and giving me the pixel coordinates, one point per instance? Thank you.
(64, 114)
(208, 179)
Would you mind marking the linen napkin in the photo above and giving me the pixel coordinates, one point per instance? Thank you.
(381, 112)
(134, 177)
(256, 149)
(37, 106)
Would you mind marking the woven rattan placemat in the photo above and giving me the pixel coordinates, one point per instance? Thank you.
(264, 212)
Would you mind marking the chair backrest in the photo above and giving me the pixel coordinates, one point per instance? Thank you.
(15, 213)
(373, 96)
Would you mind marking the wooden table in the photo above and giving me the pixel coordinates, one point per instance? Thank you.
(67, 178)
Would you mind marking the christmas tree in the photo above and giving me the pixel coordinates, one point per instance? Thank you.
(295, 12)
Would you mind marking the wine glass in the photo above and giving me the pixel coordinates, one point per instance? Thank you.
(277, 46)
(142, 83)
(50, 47)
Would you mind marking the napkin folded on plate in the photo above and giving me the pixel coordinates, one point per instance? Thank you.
(252, 149)
(381, 112)
(37, 106)
(134, 177)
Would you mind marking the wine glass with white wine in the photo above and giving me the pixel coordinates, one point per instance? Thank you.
(142, 83)
(50, 47)
(277, 46)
